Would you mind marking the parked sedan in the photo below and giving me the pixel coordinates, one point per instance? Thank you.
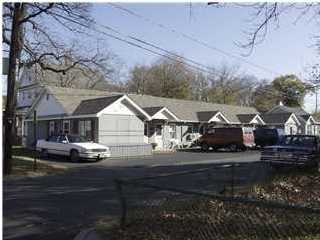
(296, 150)
(74, 147)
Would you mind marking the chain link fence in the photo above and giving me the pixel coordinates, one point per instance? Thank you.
(206, 208)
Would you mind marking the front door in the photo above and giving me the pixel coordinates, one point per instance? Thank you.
(158, 137)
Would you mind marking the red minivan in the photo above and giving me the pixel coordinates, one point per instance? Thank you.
(233, 138)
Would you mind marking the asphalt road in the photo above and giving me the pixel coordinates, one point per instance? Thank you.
(165, 159)
(59, 206)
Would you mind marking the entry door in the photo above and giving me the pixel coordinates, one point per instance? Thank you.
(158, 136)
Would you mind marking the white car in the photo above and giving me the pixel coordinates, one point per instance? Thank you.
(72, 146)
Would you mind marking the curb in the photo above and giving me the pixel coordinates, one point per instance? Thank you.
(87, 234)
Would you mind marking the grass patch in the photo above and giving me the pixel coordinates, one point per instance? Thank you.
(23, 167)
(23, 164)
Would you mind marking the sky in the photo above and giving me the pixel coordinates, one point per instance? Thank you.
(287, 48)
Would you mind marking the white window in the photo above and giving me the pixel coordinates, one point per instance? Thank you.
(85, 129)
(66, 126)
(173, 131)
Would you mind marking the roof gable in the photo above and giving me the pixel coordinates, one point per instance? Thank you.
(93, 106)
(284, 109)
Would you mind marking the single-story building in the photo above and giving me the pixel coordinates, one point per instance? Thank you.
(118, 120)
(286, 122)
(301, 123)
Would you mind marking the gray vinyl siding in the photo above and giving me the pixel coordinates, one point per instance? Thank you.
(120, 130)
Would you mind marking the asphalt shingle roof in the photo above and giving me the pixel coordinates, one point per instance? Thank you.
(205, 116)
(188, 110)
(284, 109)
(70, 98)
(74, 101)
(92, 106)
(276, 118)
(246, 118)
(152, 110)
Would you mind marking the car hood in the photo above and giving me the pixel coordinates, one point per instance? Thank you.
(90, 145)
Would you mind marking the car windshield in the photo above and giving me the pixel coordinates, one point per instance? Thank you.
(76, 139)
(298, 141)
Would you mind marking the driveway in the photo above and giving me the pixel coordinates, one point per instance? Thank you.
(59, 206)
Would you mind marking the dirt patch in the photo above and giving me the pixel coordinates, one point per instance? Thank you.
(298, 187)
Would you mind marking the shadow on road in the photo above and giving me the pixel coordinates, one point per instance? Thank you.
(59, 206)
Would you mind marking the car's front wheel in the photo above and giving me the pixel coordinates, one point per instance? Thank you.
(74, 155)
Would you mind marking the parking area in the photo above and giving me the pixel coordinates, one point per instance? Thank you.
(165, 159)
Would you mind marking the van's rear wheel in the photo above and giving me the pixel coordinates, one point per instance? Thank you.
(205, 147)
(233, 147)
(74, 155)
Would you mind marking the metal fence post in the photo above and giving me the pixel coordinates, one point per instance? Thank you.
(232, 179)
(123, 203)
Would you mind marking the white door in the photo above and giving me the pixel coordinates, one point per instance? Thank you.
(158, 137)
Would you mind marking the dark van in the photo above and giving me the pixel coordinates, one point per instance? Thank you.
(266, 136)
(232, 138)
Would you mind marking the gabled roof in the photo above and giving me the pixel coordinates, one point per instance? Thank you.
(246, 118)
(205, 116)
(93, 106)
(276, 118)
(85, 101)
(163, 111)
(152, 110)
(70, 98)
(186, 110)
(298, 111)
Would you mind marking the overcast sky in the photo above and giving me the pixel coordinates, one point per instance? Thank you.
(287, 49)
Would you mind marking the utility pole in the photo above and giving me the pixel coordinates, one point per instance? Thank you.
(16, 45)
(316, 92)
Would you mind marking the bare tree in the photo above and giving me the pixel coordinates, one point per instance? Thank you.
(268, 15)
(29, 41)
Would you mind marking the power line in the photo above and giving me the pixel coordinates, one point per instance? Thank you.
(193, 39)
(139, 46)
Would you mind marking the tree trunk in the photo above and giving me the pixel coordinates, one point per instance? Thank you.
(14, 58)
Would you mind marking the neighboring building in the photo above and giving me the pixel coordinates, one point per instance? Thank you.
(117, 119)
(305, 123)
(286, 122)
(29, 89)
(190, 117)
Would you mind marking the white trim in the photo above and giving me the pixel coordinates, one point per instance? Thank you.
(259, 118)
(295, 118)
(131, 102)
(168, 111)
(221, 115)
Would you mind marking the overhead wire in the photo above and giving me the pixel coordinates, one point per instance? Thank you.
(139, 45)
(193, 39)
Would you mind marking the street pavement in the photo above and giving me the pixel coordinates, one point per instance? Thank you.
(59, 206)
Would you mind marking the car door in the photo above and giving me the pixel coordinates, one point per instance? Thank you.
(61, 146)
(51, 145)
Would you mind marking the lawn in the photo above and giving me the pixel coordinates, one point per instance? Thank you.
(23, 164)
